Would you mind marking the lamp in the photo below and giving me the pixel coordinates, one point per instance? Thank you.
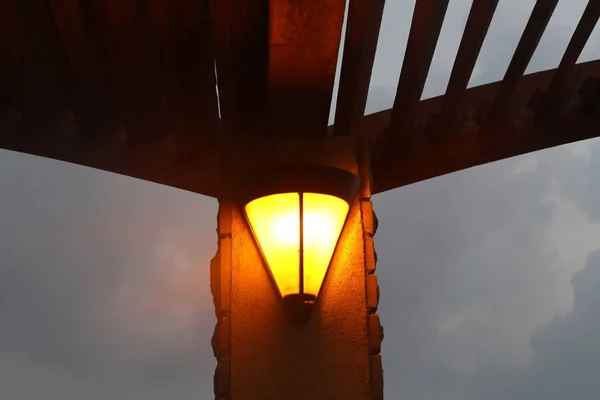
(296, 214)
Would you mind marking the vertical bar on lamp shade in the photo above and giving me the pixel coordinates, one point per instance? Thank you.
(301, 249)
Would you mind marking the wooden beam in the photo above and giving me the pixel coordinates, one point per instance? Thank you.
(30, 42)
(476, 28)
(154, 163)
(241, 39)
(92, 96)
(426, 25)
(465, 154)
(360, 45)
(475, 145)
(186, 55)
(567, 64)
(16, 55)
(126, 39)
(7, 78)
(540, 16)
(304, 42)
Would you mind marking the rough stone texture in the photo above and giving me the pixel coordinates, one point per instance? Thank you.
(372, 293)
(368, 217)
(375, 334)
(376, 378)
(220, 283)
(370, 225)
(375, 330)
(370, 255)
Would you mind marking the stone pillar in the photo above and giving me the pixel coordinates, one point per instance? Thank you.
(261, 354)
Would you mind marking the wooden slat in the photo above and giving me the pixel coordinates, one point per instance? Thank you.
(425, 29)
(30, 40)
(362, 33)
(92, 94)
(567, 64)
(182, 31)
(540, 16)
(478, 23)
(17, 59)
(304, 42)
(126, 39)
(6, 82)
(241, 40)
(191, 68)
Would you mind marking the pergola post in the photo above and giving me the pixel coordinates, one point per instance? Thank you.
(260, 353)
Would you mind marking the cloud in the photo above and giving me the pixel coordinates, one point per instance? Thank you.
(567, 349)
(104, 284)
(470, 268)
(567, 355)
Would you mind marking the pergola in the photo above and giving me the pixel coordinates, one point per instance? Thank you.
(129, 86)
(156, 89)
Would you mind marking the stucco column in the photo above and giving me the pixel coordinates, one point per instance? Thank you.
(261, 354)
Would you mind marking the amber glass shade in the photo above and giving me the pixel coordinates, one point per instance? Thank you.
(276, 223)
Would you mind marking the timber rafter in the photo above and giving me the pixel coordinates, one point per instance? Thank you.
(152, 89)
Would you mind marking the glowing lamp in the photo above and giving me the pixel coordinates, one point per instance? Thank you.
(296, 214)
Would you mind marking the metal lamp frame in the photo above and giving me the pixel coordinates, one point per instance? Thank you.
(300, 179)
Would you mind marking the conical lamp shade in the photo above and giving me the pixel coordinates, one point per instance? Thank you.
(275, 221)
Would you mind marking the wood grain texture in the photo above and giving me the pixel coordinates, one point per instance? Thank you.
(475, 145)
(478, 23)
(241, 40)
(360, 45)
(425, 28)
(304, 41)
(536, 25)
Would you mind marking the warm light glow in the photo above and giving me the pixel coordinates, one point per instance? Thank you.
(275, 221)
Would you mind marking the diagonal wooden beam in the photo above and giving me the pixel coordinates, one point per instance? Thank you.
(426, 25)
(567, 64)
(464, 154)
(360, 45)
(473, 147)
(304, 42)
(476, 28)
(241, 40)
(199, 175)
(540, 16)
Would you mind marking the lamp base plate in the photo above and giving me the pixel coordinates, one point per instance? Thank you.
(299, 307)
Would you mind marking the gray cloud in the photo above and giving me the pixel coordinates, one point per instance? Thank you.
(583, 185)
(471, 266)
(104, 282)
(567, 355)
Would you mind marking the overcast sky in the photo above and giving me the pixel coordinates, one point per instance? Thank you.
(490, 277)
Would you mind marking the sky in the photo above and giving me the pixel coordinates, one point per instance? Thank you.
(490, 277)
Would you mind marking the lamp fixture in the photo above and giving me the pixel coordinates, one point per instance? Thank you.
(296, 214)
